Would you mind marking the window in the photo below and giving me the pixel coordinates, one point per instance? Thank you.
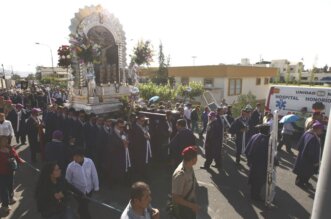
(235, 86)
(266, 80)
(208, 82)
(258, 81)
(184, 80)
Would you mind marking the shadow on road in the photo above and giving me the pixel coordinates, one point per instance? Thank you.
(285, 206)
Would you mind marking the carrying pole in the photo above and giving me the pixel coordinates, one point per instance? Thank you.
(321, 207)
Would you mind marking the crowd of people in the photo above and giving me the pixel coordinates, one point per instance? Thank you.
(89, 148)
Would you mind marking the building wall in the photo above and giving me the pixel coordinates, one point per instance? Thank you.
(248, 85)
(45, 72)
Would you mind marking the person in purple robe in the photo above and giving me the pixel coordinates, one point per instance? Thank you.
(308, 160)
(257, 158)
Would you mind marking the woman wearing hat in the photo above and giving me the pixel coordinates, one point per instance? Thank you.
(308, 160)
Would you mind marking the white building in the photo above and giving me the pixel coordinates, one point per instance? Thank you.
(227, 81)
(57, 72)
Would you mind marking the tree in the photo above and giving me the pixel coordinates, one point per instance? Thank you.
(161, 76)
(52, 81)
(196, 89)
(165, 92)
(300, 72)
(288, 75)
(142, 53)
(312, 75)
(30, 77)
(242, 101)
(325, 68)
(15, 77)
(277, 78)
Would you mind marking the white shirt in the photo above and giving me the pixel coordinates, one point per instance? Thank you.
(84, 177)
(288, 129)
(6, 128)
(129, 213)
(19, 115)
(187, 113)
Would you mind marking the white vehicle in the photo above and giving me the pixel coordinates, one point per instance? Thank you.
(290, 99)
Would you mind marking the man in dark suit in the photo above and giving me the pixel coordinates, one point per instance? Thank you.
(140, 147)
(50, 122)
(32, 126)
(255, 119)
(183, 139)
(213, 143)
(18, 119)
(90, 133)
(79, 124)
(240, 128)
(116, 163)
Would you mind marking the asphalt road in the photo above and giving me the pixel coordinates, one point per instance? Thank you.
(222, 194)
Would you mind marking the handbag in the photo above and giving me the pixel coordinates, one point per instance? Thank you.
(179, 211)
(12, 162)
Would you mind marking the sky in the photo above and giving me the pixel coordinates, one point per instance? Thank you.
(212, 31)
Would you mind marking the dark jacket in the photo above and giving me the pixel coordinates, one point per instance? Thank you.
(47, 205)
(56, 151)
(183, 139)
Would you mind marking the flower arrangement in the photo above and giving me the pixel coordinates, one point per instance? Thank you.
(84, 49)
(64, 53)
(142, 53)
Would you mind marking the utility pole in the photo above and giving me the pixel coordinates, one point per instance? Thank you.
(3, 71)
(50, 49)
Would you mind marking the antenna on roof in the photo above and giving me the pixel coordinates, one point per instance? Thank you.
(193, 58)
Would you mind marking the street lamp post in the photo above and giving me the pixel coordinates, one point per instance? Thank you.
(50, 49)
(3, 70)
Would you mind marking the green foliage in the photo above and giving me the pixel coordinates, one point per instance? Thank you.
(125, 110)
(30, 77)
(161, 76)
(242, 101)
(142, 53)
(165, 92)
(312, 75)
(197, 89)
(277, 78)
(288, 76)
(300, 73)
(15, 77)
(52, 81)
